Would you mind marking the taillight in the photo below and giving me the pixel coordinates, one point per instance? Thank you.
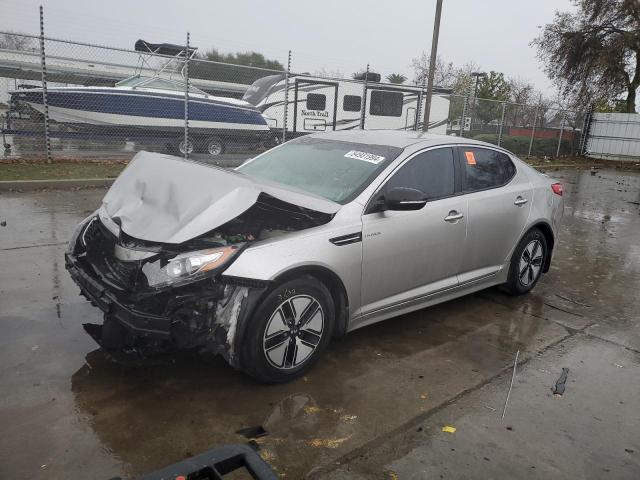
(557, 188)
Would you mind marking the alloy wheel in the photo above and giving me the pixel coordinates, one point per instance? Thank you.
(189, 149)
(214, 148)
(530, 263)
(293, 332)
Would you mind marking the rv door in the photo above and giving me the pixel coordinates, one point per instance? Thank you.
(315, 106)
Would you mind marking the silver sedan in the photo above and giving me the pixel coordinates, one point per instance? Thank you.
(310, 240)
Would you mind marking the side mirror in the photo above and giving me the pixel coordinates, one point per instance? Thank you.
(401, 198)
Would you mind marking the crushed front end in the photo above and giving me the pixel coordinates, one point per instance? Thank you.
(152, 257)
(160, 298)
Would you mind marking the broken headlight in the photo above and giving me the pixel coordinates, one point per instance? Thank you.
(187, 267)
(79, 233)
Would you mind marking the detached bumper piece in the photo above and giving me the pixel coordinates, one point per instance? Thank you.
(215, 464)
(139, 324)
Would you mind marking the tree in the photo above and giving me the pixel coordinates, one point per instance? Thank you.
(491, 87)
(520, 90)
(251, 59)
(522, 94)
(396, 78)
(324, 73)
(594, 53)
(15, 41)
(444, 75)
(615, 106)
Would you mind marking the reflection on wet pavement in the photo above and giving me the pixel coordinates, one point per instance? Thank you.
(66, 410)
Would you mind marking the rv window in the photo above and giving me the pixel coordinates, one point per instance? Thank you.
(385, 103)
(352, 103)
(316, 101)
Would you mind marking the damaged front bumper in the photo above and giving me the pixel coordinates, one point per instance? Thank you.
(208, 315)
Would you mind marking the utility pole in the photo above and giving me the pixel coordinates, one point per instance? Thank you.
(432, 65)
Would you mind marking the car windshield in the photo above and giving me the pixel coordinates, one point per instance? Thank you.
(332, 169)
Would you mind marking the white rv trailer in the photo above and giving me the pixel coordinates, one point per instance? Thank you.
(319, 104)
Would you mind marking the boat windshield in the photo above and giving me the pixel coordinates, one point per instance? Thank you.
(260, 88)
(156, 82)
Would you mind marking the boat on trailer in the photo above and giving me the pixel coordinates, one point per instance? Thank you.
(154, 106)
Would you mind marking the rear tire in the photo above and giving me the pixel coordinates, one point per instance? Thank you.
(527, 262)
(214, 146)
(289, 331)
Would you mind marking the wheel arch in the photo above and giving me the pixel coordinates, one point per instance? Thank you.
(335, 286)
(549, 237)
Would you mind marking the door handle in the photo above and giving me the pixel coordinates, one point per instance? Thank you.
(520, 201)
(453, 217)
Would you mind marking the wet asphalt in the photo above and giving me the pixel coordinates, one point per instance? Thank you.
(375, 406)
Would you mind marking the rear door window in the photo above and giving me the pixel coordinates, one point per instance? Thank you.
(485, 168)
(431, 172)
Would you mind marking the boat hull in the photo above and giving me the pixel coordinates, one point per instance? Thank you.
(152, 110)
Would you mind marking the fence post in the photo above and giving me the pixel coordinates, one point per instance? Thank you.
(463, 114)
(533, 131)
(584, 134)
(364, 97)
(560, 136)
(504, 107)
(418, 110)
(286, 98)
(186, 101)
(45, 102)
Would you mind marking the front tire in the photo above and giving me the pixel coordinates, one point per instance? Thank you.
(185, 147)
(289, 331)
(527, 262)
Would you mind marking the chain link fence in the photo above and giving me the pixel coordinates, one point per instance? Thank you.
(64, 100)
(526, 130)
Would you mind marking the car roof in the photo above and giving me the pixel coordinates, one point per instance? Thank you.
(395, 138)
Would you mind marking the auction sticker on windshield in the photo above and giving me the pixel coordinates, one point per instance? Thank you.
(364, 156)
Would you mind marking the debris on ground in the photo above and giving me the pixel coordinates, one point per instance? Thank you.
(3, 223)
(328, 442)
(513, 377)
(449, 429)
(253, 432)
(255, 446)
(348, 418)
(558, 389)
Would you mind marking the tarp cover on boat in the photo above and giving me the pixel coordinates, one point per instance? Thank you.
(162, 48)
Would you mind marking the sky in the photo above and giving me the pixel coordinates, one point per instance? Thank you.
(341, 35)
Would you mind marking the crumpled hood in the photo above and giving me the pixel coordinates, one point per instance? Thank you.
(161, 198)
